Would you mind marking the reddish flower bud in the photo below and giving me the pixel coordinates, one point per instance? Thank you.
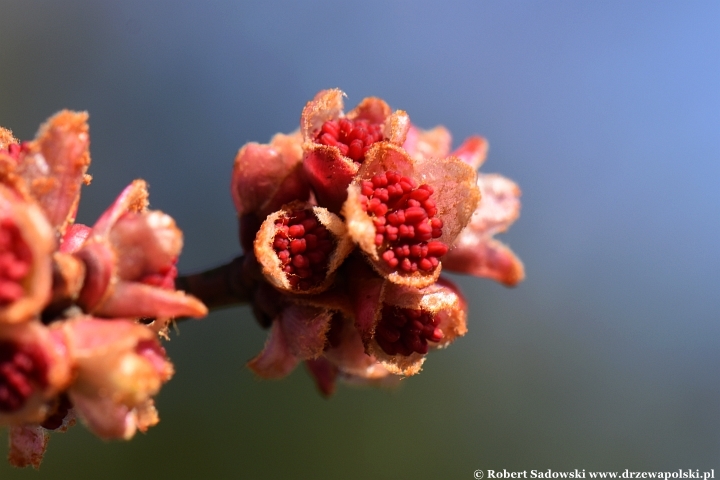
(119, 366)
(405, 213)
(336, 145)
(400, 324)
(130, 260)
(265, 177)
(26, 241)
(300, 247)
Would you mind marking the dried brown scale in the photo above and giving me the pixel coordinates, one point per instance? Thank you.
(303, 247)
(405, 223)
(21, 368)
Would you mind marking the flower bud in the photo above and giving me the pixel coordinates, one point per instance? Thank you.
(130, 259)
(336, 145)
(405, 214)
(400, 324)
(119, 366)
(300, 247)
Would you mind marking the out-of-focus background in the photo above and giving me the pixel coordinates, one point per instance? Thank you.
(608, 116)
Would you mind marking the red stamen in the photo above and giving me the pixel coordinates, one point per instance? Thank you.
(402, 331)
(15, 262)
(352, 137)
(22, 367)
(303, 246)
(405, 223)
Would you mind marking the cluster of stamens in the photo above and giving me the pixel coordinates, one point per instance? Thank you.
(19, 367)
(352, 137)
(405, 222)
(303, 246)
(15, 261)
(402, 331)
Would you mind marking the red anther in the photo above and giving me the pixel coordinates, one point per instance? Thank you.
(402, 331)
(303, 247)
(406, 265)
(352, 137)
(330, 128)
(296, 231)
(388, 332)
(300, 261)
(382, 194)
(379, 239)
(437, 249)
(423, 232)
(367, 188)
(406, 231)
(425, 265)
(297, 246)
(355, 151)
(420, 194)
(415, 215)
(407, 185)
(380, 180)
(436, 223)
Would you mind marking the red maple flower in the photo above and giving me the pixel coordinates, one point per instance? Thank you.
(336, 145)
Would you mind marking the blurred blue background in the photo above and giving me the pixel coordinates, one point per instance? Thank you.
(606, 113)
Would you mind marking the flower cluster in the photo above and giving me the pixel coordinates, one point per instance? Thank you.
(81, 307)
(348, 223)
